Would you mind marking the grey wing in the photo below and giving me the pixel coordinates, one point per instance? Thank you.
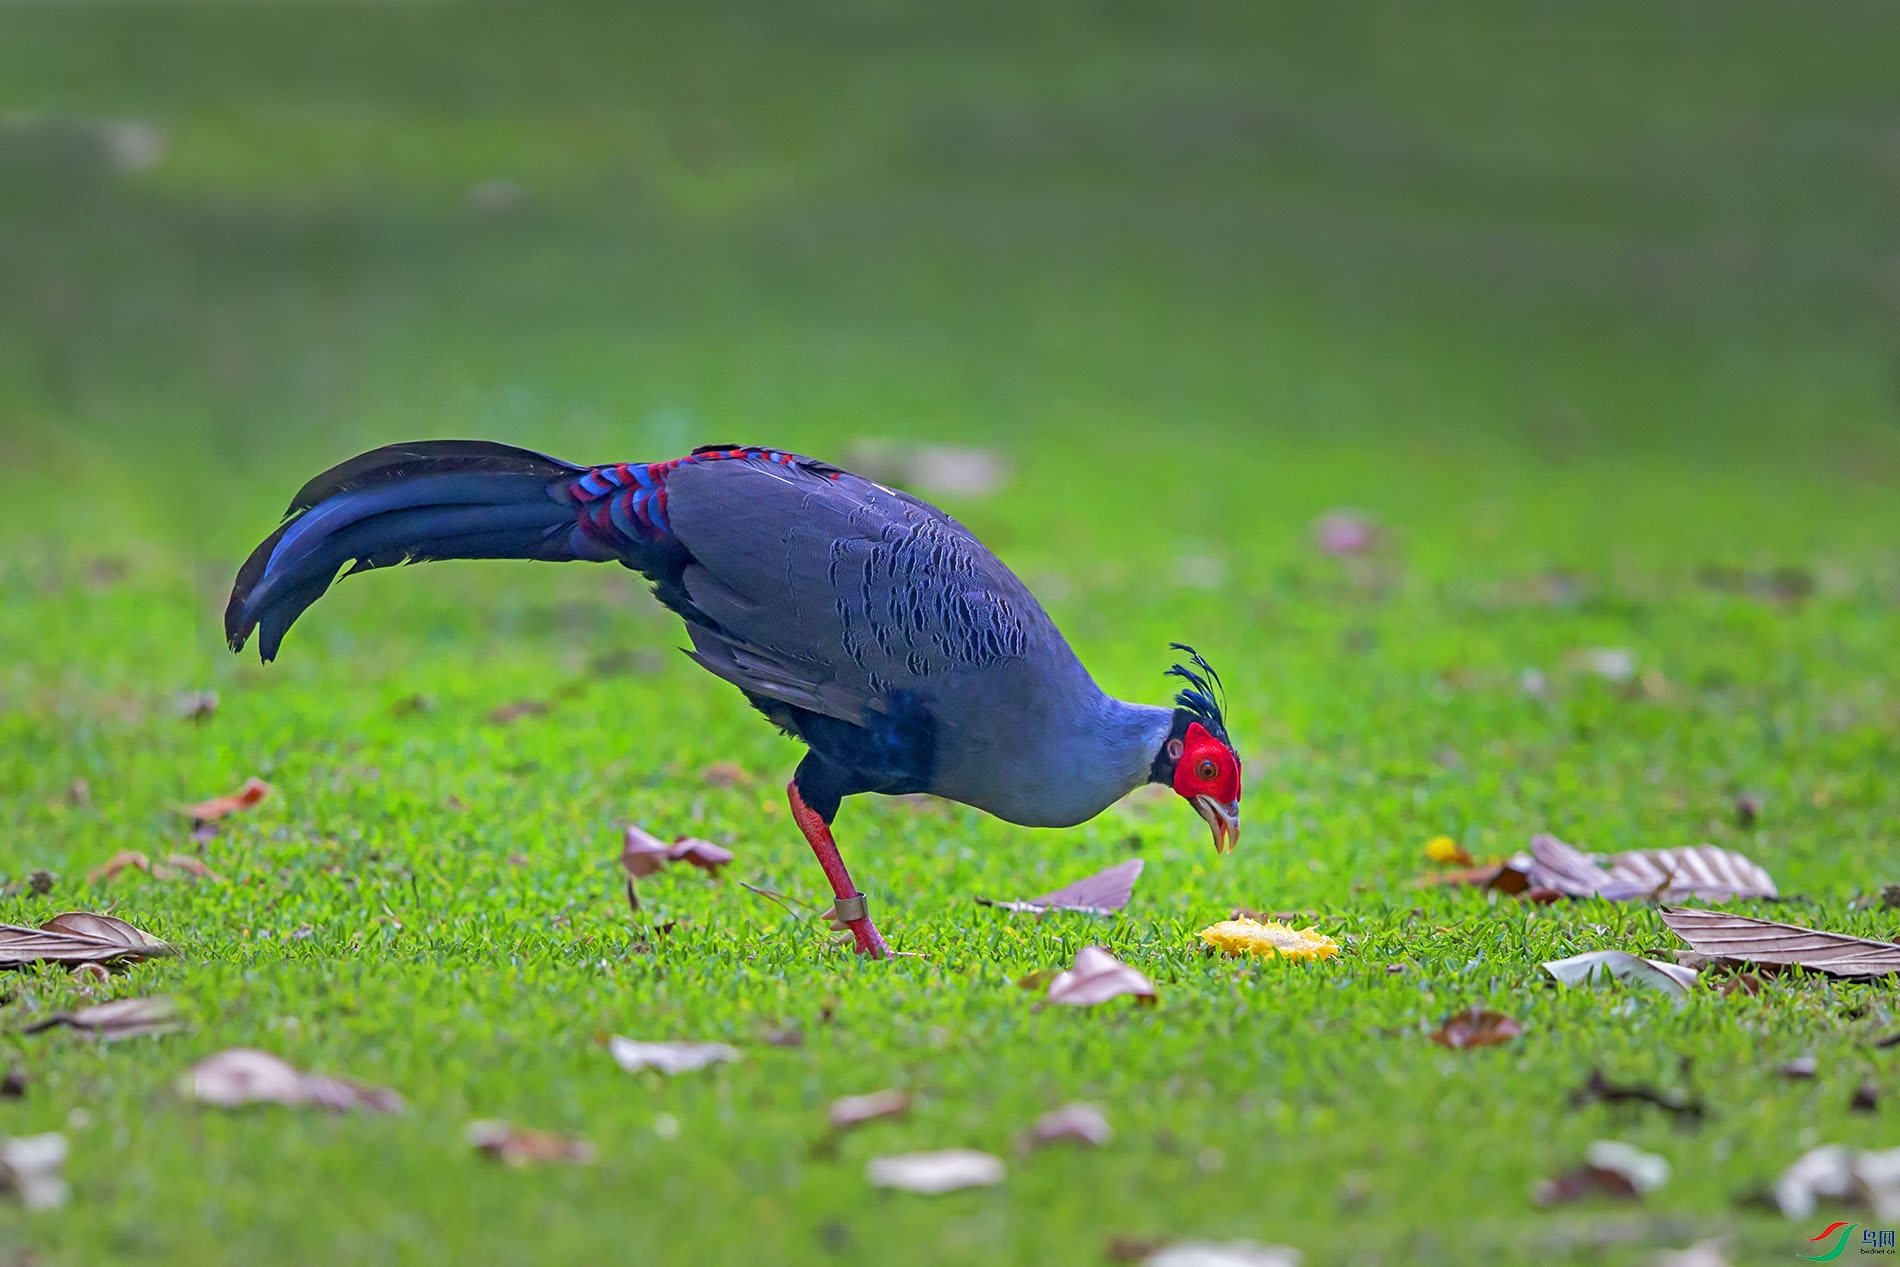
(828, 591)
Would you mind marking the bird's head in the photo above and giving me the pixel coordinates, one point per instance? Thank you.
(1198, 761)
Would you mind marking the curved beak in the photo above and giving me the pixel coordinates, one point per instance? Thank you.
(1223, 820)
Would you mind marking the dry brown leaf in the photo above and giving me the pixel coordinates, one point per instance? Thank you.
(1594, 967)
(1582, 1183)
(32, 1168)
(77, 937)
(855, 1110)
(936, 1172)
(508, 714)
(253, 791)
(1770, 941)
(1833, 1173)
(1705, 871)
(1077, 1123)
(125, 859)
(1103, 893)
(1611, 1169)
(1347, 532)
(1220, 1254)
(1476, 1027)
(175, 865)
(523, 1146)
(644, 853)
(243, 1075)
(724, 774)
(121, 1018)
(1097, 977)
(668, 1058)
(195, 705)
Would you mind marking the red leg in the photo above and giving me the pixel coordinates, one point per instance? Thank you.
(818, 832)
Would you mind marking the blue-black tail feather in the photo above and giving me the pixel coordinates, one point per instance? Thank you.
(404, 503)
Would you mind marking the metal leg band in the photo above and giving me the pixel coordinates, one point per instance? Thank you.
(850, 909)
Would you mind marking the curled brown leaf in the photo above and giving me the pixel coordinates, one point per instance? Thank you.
(855, 1110)
(524, 1146)
(253, 791)
(1476, 1027)
(1096, 977)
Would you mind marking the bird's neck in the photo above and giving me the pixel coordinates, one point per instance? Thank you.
(1132, 734)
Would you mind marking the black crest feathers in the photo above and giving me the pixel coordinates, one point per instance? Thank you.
(1204, 696)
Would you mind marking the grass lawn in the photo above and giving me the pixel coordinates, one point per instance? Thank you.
(1581, 309)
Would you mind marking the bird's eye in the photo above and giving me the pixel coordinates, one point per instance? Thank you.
(1206, 771)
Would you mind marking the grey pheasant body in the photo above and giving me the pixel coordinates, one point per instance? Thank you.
(865, 622)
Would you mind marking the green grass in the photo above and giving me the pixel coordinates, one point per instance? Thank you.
(1601, 295)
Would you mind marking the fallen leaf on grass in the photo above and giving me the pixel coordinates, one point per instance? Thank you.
(77, 937)
(1270, 940)
(1600, 1090)
(1078, 1123)
(195, 705)
(508, 714)
(522, 1146)
(1444, 849)
(174, 866)
(32, 1166)
(1476, 1027)
(1347, 532)
(724, 774)
(933, 1173)
(121, 1018)
(1103, 893)
(1611, 1169)
(1594, 967)
(1097, 977)
(1800, 1068)
(120, 861)
(1770, 941)
(13, 1085)
(243, 1075)
(1836, 1173)
(1223, 1254)
(644, 853)
(668, 1058)
(204, 812)
(1866, 1097)
(855, 1110)
(1704, 871)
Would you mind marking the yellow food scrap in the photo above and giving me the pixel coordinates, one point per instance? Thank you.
(1251, 937)
(1445, 849)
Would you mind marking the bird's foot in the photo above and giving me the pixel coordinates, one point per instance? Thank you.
(870, 941)
(863, 934)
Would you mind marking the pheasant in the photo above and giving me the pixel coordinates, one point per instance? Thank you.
(858, 619)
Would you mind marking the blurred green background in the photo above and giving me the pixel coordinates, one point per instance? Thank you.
(1592, 306)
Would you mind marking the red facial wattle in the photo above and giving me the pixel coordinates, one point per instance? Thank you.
(1208, 777)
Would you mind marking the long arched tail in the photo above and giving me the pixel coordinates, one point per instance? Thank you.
(465, 499)
(407, 503)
